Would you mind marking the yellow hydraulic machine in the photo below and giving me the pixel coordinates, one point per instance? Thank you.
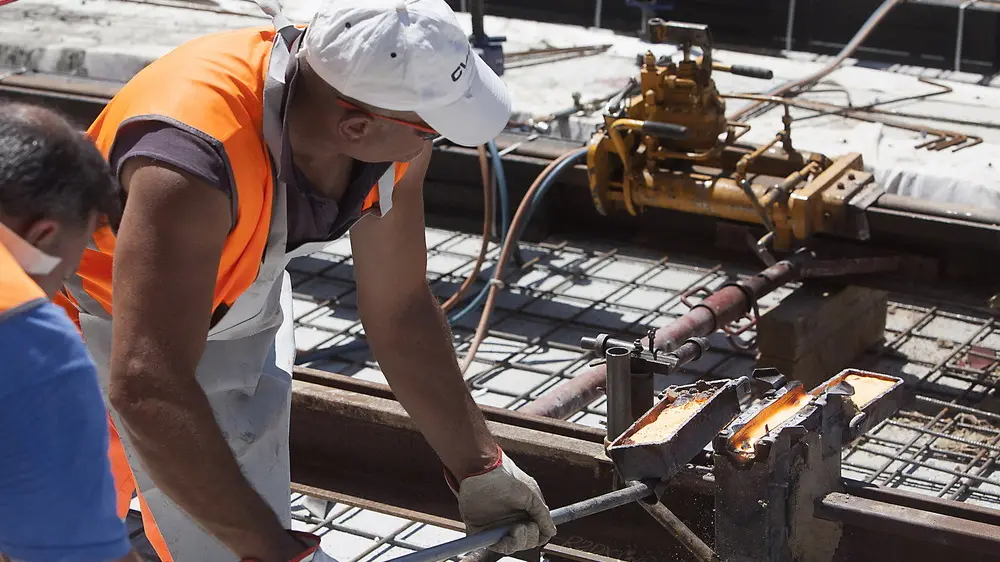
(667, 143)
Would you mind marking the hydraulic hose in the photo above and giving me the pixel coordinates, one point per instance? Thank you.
(487, 222)
(504, 210)
(524, 211)
(503, 193)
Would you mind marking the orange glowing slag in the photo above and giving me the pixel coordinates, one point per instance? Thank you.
(666, 421)
(867, 389)
(771, 417)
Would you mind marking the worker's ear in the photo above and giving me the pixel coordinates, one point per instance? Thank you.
(355, 126)
(43, 234)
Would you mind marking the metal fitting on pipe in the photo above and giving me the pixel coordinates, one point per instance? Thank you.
(619, 391)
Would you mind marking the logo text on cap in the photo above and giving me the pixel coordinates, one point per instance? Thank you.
(457, 73)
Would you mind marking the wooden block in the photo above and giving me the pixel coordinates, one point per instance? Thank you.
(820, 329)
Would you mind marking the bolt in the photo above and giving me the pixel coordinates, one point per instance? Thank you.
(840, 185)
(850, 176)
(827, 214)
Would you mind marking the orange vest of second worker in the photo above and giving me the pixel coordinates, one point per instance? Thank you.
(18, 291)
(227, 88)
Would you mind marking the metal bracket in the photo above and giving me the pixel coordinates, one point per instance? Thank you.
(857, 206)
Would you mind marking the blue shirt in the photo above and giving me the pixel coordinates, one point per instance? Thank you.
(57, 495)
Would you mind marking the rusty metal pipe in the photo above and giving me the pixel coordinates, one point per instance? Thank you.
(724, 306)
(729, 303)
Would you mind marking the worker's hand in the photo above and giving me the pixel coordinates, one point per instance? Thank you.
(501, 496)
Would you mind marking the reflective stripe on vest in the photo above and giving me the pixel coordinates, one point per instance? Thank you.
(18, 291)
(221, 89)
(385, 185)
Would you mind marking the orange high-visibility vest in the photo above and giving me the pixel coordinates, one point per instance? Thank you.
(225, 73)
(18, 291)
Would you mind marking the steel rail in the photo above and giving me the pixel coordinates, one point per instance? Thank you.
(355, 447)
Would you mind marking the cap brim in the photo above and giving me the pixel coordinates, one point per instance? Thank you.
(478, 116)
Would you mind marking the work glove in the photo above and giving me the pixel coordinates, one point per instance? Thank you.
(311, 553)
(498, 497)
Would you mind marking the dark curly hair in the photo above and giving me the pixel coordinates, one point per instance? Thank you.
(50, 170)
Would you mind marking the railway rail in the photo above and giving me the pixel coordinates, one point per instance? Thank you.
(350, 438)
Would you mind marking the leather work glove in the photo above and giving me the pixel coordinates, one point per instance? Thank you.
(312, 552)
(500, 496)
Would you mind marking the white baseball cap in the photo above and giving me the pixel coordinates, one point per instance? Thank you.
(408, 55)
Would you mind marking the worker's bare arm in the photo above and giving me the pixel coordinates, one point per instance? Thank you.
(166, 261)
(408, 332)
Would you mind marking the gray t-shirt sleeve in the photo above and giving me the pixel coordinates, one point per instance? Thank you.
(177, 147)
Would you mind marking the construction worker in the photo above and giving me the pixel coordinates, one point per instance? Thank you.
(57, 498)
(237, 152)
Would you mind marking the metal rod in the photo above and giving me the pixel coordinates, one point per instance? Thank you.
(572, 512)
(619, 368)
(960, 33)
(478, 10)
(945, 139)
(790, 26)
(597, 13)
(959, 408)
(681, 532)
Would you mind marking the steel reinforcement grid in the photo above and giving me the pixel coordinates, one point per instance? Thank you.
(564, 291)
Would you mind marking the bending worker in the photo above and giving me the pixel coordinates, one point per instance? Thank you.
(237, 152)
(57, 497)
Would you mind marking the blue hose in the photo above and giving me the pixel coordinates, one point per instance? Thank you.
(501, 187)
(326, 353)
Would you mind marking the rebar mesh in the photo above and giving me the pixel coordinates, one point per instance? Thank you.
(947, 445)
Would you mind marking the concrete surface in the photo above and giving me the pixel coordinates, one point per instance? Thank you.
(112, 39)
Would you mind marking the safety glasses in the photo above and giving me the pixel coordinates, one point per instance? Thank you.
(422, 131)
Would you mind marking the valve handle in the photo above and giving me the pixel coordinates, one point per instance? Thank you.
(752, 71)
(664, 130)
